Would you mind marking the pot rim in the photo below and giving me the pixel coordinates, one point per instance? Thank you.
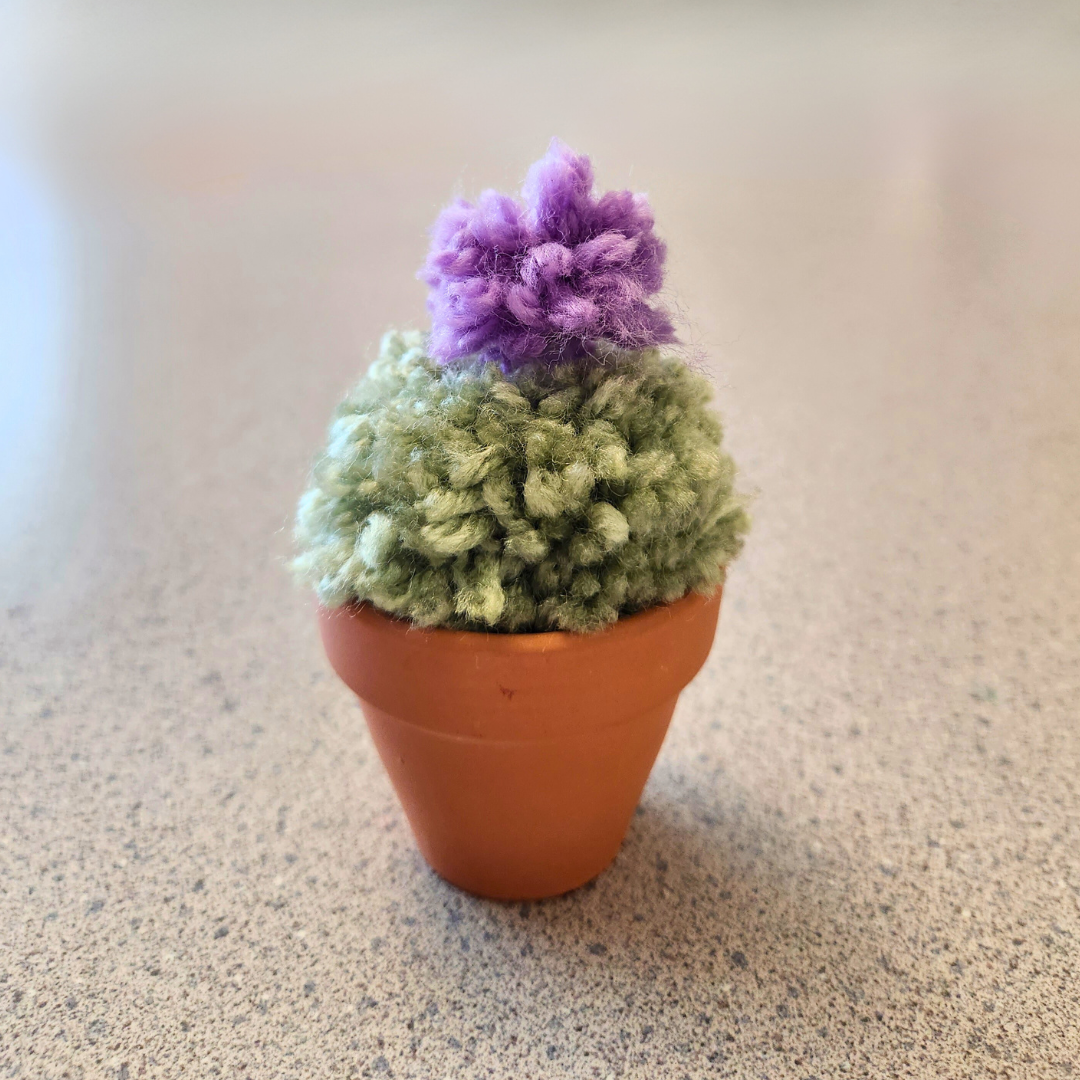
(512, 643)
(520, 686)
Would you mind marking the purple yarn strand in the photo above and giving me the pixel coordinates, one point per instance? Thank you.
(547, 278)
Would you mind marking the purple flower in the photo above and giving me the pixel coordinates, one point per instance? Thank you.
(548, 278)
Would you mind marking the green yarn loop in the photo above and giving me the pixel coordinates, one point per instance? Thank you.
(549, 498)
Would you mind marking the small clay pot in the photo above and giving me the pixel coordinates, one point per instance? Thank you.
(519, 758)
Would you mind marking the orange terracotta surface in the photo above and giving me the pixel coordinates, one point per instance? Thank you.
(519, 758)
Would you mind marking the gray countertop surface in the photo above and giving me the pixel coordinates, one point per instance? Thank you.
(859, 851)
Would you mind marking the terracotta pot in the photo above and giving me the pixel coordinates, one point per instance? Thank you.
(519, 758)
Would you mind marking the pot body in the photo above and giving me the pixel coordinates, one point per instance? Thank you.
(519, 758)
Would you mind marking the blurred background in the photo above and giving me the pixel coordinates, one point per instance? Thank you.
(212, 212)
(209, 213)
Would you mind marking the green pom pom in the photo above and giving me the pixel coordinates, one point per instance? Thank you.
(547, 498)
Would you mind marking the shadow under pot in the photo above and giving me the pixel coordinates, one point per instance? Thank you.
(519, 758)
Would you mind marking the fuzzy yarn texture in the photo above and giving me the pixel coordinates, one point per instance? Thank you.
(548, 497)
(547, 278)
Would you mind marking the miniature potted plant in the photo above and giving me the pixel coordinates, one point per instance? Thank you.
(518, 535)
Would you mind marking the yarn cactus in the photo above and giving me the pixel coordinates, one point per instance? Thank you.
(517, 470)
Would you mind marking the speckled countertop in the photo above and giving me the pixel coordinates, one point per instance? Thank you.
(859, 853)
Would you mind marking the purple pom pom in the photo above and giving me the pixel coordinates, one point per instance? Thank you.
(549, 279)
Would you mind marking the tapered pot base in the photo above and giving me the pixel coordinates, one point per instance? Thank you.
(519, 820)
